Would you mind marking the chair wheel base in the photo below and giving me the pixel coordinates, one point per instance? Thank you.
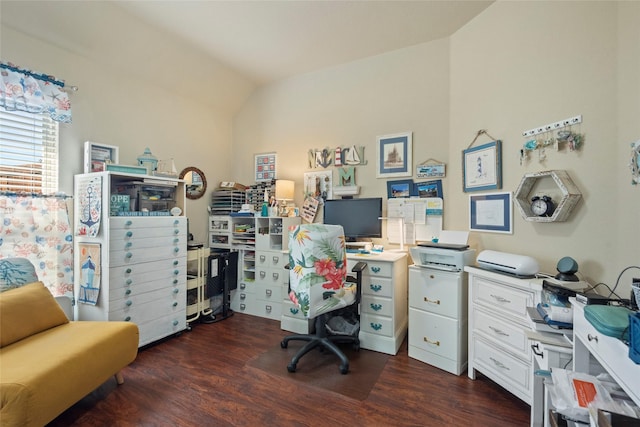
(283, 344)
(344, 369)
(291, 367)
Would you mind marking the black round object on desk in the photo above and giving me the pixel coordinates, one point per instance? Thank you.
(567, 267)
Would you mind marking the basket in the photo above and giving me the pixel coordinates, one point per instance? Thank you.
(634, 337)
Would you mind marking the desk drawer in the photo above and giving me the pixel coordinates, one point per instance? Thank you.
(164, 270)
(434, 333)
(501, 298)
(378, 325)
(271, 259)
(377, 305)
(437, 292)
(376, 286)
(117, 258)
(510, 335)
(155, 223)
(505, 369)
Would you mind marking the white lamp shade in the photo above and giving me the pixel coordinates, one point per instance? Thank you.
(284, 189)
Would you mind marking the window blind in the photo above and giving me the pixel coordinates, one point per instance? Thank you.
(28, 152)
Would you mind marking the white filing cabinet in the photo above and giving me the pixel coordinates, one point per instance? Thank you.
(498, 344)
(383, 304)
(438, 318)
(142, 255)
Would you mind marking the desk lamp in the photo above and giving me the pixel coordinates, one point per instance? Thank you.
(284, 192)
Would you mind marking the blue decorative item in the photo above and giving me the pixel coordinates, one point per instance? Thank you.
(148, 161)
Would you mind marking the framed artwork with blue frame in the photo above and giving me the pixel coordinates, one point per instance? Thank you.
(492, 212)
(482, 167)
(394, 155)
(399, 189)
(428, 189)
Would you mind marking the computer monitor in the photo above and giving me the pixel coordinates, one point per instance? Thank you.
(360, 218)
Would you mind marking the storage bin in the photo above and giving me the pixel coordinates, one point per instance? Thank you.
(634, 337)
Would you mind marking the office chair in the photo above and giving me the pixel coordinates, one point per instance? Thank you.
(319, 284)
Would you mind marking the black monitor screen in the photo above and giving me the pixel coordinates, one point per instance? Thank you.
(358, 217)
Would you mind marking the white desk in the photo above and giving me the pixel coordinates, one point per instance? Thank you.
(383, 304)
(610, 352)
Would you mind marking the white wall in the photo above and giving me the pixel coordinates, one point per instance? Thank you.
(516, 66)
(115, 107)
(405, 90)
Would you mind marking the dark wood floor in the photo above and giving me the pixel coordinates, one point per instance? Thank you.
(200, 378)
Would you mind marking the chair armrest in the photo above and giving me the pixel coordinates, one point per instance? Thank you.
(359, 267)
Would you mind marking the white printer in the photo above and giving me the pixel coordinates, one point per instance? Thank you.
(443, 257)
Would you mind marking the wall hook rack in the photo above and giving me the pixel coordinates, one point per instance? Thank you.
(553, 126)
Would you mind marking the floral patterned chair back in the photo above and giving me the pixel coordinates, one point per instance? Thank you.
(318, 269)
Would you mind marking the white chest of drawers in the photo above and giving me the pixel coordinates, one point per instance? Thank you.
(438, 318)
(383, 305)
(142, 265)
(498, 345)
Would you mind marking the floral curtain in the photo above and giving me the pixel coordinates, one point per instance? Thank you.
(37, 227)
(32, 92)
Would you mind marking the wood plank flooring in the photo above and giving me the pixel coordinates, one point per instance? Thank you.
(200, 379)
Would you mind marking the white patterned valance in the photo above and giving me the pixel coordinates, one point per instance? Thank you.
(25, 90)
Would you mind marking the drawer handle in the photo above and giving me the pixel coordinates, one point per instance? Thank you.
(268, 308)
(428, 341)
(176, 250)
(128, 303)
(176, 241)
(268, 292)
(128, 282)
(175, 304)
(376, 326)
(176, 231)
(176, 272)
(128, 245)
(375, 288)
(128, 222)
(498, 331)
(376, 307)
(276, 276)
(275, 260)
(243, 307)
(176, 222)
(128, 271)
(262, 258)
(243, 286)
(592, 337)
(294, 310)
(536, 350)
(375, 269)
(500, 299)
(176, 290)
(175, 281)
(127, 292)
(499, 364)
(433, 301)
(128, 255)
(175, 262)
(129, 233)
(243, 296)
(263, 274)
(175, 323)
(128, 318)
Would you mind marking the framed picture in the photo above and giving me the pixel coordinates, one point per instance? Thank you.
(393, 156)
(399, 189)
(428, 189)
(431, 171)
(97, 156)
(491, 212)
(482, 167)
(265, 167)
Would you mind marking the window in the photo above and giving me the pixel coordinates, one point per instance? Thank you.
(28, 152)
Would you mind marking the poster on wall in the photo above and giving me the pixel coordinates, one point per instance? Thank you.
(90, 206)
(90, 273)
(265, 167)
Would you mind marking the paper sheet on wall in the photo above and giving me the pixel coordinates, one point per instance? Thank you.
(418, 219)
